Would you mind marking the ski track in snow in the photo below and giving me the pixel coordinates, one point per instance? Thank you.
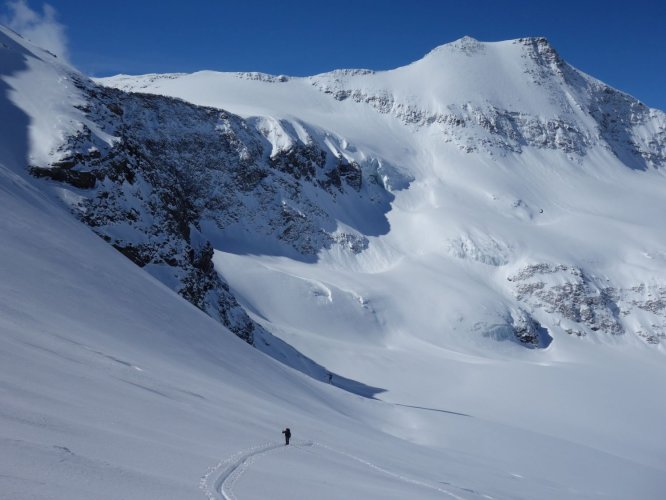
(218, 480)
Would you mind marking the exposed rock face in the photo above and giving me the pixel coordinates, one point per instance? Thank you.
(510, 131)
(580, 304)
(300, 161)
(570, 294)
(304, 161)
(528, 331)
(172, 167)
(507, 130)
(83, 180)
(635, 133)
(620, 119)
(516, 326)
(650, 299)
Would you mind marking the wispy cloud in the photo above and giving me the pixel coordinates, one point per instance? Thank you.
(41, 28)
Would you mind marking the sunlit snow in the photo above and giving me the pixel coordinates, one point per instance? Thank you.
(113, 386)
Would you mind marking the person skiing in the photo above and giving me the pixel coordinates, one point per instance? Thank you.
(287, 435)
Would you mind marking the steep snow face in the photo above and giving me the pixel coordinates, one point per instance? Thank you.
(480, 248)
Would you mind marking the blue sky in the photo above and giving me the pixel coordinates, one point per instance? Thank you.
(620, 42)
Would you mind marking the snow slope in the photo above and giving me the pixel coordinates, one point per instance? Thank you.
(113, 386)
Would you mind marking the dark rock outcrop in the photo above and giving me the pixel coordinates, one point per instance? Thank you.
(173, 166)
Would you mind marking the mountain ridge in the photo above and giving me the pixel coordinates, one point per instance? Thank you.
(594, 98)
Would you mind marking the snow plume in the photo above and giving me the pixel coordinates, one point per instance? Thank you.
(42, 29)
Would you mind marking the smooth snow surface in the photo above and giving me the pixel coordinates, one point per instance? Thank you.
(113, 386)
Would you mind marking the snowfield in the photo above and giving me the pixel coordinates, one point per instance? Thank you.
(499, 284)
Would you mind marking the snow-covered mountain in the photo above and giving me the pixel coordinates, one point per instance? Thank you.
(474, 239)
(514, 159)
